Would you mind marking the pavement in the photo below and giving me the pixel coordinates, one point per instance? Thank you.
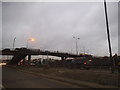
(13, 78)
(68, 80)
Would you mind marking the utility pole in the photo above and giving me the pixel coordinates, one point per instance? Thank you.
(108, 34)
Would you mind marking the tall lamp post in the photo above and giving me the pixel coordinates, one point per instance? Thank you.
(29, 56)
(108, 34)
(14, 43)
(76, 44)
(31, 39)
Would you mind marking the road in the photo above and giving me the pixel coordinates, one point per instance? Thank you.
(12, 78)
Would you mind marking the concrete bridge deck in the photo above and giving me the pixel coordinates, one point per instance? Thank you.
(21, 53)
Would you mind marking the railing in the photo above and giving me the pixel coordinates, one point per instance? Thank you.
(50, 51)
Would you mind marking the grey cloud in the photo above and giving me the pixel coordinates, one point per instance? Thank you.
(54, 25)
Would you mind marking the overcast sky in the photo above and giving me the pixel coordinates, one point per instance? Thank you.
(53, 25)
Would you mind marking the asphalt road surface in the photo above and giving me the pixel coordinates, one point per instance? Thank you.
(12, 78)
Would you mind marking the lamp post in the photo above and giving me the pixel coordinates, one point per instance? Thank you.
(14, 43)
(31, 39)
(108, 34)
(29, 56)
(76, 44)
(84, 50)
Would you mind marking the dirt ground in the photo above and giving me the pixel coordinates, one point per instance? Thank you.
(97, 76)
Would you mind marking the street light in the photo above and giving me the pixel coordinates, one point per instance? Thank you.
(76, 44)
(31, 39)
(14, 43)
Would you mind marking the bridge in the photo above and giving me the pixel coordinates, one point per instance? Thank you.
(21, 53)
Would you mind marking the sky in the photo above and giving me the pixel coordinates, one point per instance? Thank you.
(54, 24)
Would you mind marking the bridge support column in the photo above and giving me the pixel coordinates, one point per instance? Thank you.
(24, 61)
(29, 58)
